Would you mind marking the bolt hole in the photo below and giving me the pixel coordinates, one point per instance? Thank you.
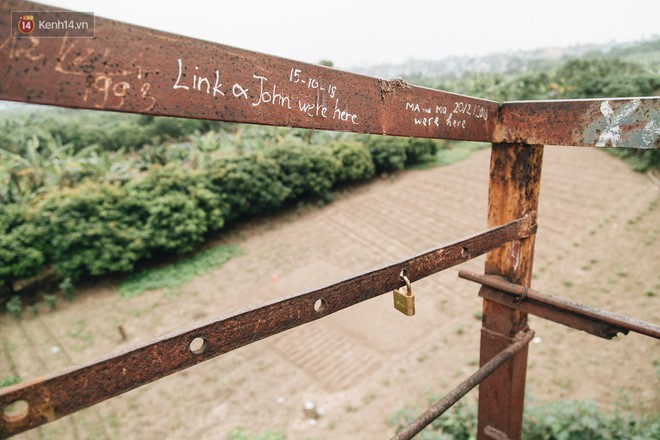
(16, 411)
(319, 305)
(198, 345)
(465, 252)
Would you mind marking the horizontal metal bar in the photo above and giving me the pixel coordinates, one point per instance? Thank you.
(61, 394)
(620, 122)
(133, 69)
(597, 322)
(442, 405)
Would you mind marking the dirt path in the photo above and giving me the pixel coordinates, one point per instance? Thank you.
(597, 243)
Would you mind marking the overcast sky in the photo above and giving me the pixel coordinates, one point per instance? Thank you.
(354, 32)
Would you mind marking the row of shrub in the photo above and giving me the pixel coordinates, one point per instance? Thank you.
(97, 227)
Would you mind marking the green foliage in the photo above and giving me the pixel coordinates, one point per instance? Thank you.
(387, 153)
(241, 434)
(66, 286)
(173, 275)
(354, 159)
(50, 300)
(419, 150)
(603, 78)
(93, 228)
(560, 420)
(576, 420)
(305, 169)
(174, 128)
(83, 199)
(171, 201)
(247, 184)
(459, 423)
(15, 306)
(45, 163)
(21, 252)
(639, 160)
(9, 380)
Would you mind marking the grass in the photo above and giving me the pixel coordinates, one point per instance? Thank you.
(81, 333)
(452, 153)
(241, 434)
(174, 275)
(9, 380)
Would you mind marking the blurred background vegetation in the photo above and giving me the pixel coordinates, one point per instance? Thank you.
(86, 193)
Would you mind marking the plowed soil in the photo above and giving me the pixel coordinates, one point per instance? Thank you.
(598, 241)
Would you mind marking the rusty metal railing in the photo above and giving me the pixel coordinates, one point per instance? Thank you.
(599, 323)
(61, 394)
(132, 69)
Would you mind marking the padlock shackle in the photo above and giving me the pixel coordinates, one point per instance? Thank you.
(404, 276)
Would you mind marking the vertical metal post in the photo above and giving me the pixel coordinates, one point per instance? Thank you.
(513, 190)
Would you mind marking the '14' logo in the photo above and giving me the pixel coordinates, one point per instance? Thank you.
(26, 24)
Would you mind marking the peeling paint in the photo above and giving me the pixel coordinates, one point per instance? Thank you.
(650, 133)
(632, 124)
(611, 135)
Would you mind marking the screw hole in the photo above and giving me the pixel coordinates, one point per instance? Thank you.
(319, 305)
(465, 252)
(16, 411)
(198, 345)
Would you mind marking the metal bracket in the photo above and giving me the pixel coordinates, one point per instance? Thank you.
(600, 323)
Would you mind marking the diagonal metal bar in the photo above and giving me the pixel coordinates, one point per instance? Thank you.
(53, 397)
(579, 316)
(442, 405)
(133, 69)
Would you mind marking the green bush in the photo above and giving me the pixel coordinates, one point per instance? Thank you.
(354, 159)
(247, 184)
(15, 306)
(21, 250)
(173, 128)
(387, 153)
(419, 150)
(305, 169)
(93, 228)
(577, 420)
(177, 207)
(638, 160)
(560, 420)
(459, 423)
(104, 224)
(125, 135)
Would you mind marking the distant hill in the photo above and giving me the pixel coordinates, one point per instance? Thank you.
(643, 52)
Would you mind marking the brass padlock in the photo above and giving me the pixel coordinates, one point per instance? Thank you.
(404, 299)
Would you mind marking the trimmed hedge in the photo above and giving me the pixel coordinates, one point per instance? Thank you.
(98, 228)
(93, 228)
(176, 207)
(305, 170)
(355, 162)
(21, 253)
(247, 184)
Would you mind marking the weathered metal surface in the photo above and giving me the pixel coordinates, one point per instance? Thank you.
(513, 189)
(438, 408)
(53, 397)
(615, 122)
(132, 69)
(579, 316)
